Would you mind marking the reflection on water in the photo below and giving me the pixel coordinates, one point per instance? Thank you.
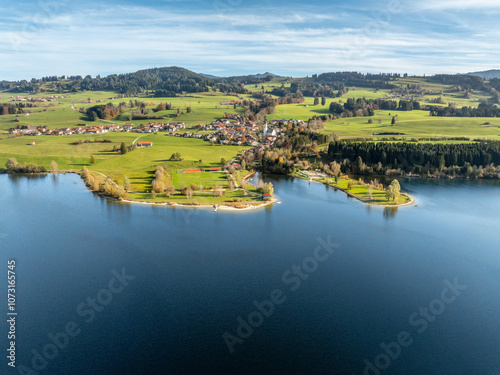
(197, 271)
(16, 178)
(390, 212)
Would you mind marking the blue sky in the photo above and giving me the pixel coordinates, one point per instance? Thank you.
(233, 37)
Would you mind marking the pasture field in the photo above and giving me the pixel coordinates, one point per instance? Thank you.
(206, 108)
(139, 165)
(416, 123)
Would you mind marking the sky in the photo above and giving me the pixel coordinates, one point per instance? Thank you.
(234, 37)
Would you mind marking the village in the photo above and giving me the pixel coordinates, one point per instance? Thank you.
(224, 131)
(43, 99)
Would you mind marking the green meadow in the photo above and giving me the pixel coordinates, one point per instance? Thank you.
(139, 165)
(365, 194)
(415, 124)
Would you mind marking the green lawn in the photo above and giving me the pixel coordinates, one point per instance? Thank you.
(138, 165)
(416, 123)
(235, 198)
(362, 192)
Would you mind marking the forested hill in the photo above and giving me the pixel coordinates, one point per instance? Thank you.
(488, 74)
(166, 81)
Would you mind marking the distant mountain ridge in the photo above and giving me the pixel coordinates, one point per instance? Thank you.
(258, 75)
(264, 75)
(487, 74)
(208, 76)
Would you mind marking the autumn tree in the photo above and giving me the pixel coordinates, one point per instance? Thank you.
(12, 164)
(393, 191)
(54, 168)
(126, 183)
(268, 188)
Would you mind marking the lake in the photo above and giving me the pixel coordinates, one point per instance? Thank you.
(319, 284)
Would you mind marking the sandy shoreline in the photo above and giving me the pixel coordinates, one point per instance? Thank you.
(222, 206)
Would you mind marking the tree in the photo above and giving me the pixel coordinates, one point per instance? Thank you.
(183, 188)
(175, 156)
(316, 101)
(323, 100)
(218, 192)
(12, 164)
(85, 173)
(393, 191)
(92, 160)
(243, 165)
(335, 168)
(268, 188)
(94, 116)
(223, 162)
(126, 183)
(54, 168)
(393, 121)
(189, 192)
(123, 148)
(359, 164)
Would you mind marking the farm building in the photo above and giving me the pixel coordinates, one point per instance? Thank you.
(144, 144)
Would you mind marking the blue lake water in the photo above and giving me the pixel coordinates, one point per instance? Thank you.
(421, 282)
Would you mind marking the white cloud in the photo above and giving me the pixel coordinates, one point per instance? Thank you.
(458, 5)
(122, 39)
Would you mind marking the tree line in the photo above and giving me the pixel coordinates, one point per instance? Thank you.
(367, 107)
(417, 158)
(483, 110)
(15, 108)
(173, 80)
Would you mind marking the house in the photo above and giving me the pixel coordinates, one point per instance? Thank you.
(267, 197)
(144, 144)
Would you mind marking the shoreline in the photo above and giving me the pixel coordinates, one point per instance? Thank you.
(349, 194)
(221, 206)
(225, 206)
